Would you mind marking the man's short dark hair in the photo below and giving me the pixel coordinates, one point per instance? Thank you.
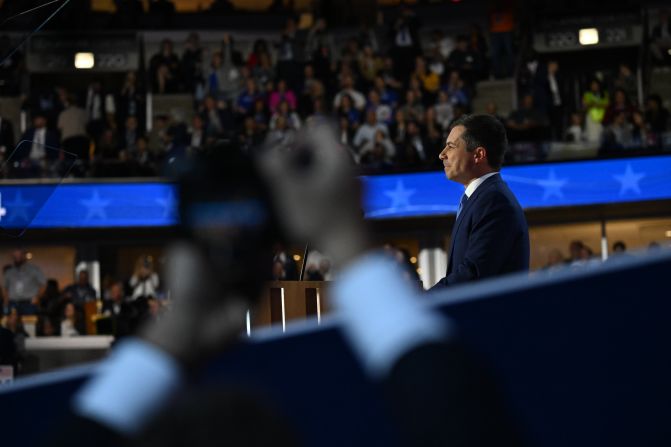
(484, 131)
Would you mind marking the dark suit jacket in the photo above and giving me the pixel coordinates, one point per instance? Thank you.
(51, 141)
(490, 237)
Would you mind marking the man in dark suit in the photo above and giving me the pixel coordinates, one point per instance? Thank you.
(39, 148)
(490, 236)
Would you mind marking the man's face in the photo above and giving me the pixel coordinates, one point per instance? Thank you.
(458, 163)
(18, 256)
(83, 278)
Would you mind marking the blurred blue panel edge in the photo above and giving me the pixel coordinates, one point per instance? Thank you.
(581, 357)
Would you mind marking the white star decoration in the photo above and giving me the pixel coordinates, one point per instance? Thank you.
(400, 197)
(95, 206)
(629, 180)
(18, 209)
(552, 186)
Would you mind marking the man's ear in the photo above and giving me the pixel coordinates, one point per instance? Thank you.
(480, 154)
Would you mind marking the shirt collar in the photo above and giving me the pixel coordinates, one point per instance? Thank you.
(470, 189)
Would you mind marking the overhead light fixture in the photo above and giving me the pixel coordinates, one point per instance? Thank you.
(84, 61)
(588, 36)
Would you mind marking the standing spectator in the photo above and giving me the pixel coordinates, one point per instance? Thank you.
(130, 101)
(318, 37)
(145, 280)
(223, 81)
(129, 137)
(661, 39)
(260, 48)
(289, 54)
(18, 337)
(6, 138)
(405, 43)
(196, 137)
(82, 291)
(100, 108)
(466, 61)
(594, 101)
(264, 71)
(192, 63)
(12, 68)
(554, 94)
(51, 300)
(40, 150)
(656, 116)
(24, 283)
(228, 51)
(72, 124)
(626, 80)
(501, 26)
(164, 69)
(478, 45)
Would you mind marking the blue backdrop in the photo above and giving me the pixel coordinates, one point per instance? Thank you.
(105, 205)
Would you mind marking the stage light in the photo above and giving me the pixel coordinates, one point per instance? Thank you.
(84, 61)
(29, 256)
(588, 36)
(413, 260)
(668, 233)
(297, 258)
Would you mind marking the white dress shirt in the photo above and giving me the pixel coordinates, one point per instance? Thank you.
(470, 189)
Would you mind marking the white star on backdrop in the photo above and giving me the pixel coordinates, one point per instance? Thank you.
(552, 186)
(629, 180)
(18, 209)
(95, 206)
(169, 204)
(400, 197)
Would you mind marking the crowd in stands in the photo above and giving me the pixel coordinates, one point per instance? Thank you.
(56, 311)
(392, 96)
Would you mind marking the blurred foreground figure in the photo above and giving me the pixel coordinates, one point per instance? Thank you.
(439, 395)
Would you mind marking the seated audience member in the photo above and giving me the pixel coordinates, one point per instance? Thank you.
(349, 112)
(626, 81)
(284, 111)
(575, 132)
(656, 117)
(378, 153)
(413, 109)
(414, 150)
(348, 90)
(283, 93)
(555, 260)
(456, 91)
(145, 280)
(492, 109)
(246, 100)
(620, 104)
(82, 291)
(444, 110)
(618, 135)
(526, 123)
(383, 112)
(72, 321)
(641, 137)
(366, 132)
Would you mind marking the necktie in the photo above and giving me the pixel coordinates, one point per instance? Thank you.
(462, 203)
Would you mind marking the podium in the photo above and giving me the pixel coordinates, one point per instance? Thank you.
(284, 301)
